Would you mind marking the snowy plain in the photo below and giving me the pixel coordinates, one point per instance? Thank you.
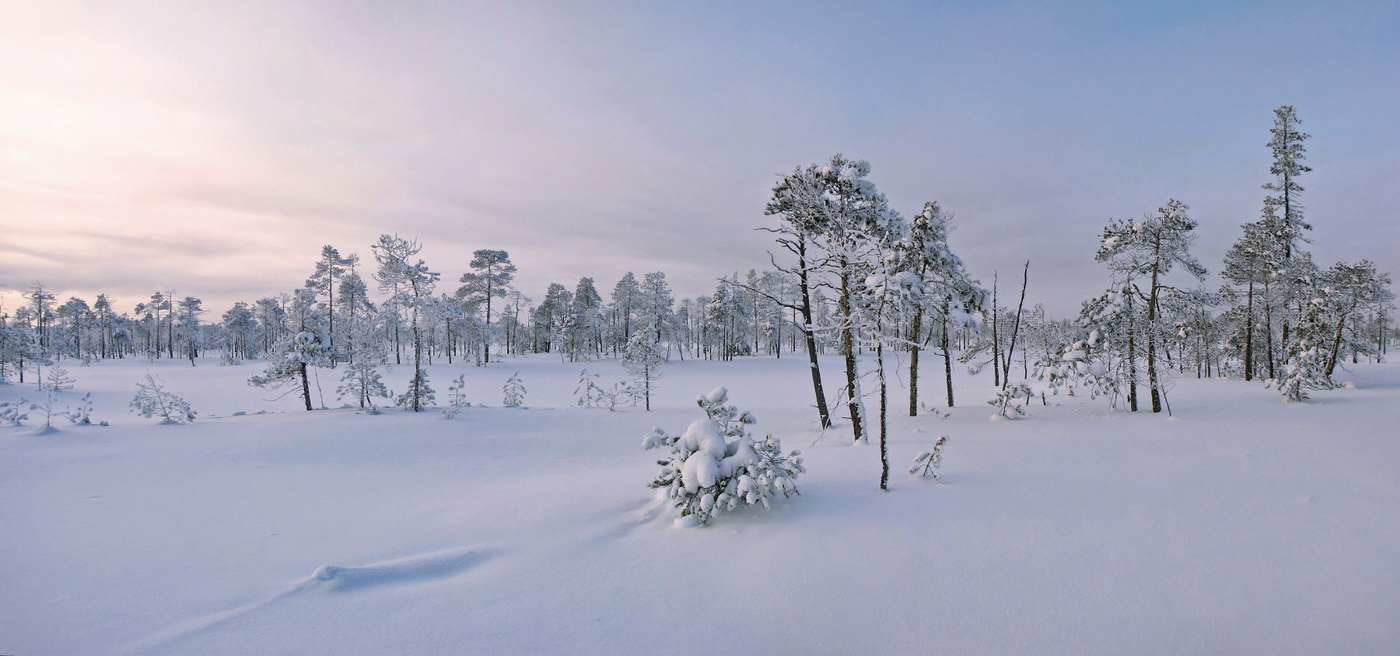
(1240, 525)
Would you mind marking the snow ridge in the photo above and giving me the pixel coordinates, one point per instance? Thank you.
(332, 579)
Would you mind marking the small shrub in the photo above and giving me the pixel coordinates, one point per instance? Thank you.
(717, 465)
(153, 400)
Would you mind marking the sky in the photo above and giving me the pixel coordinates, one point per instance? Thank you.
(212, 148)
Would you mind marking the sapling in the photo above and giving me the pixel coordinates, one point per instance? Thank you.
(456, 397)
(1005, 400)
(513, 392)
(928, 462)
(152, 399)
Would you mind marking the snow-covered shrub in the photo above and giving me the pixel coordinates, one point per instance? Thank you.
(1081, 365)
(592, 395)
(513, 392)
(1005, 400)
(83, 414)
(228, 360)
(586, 393)
(717, 465)
(456, 397)
(15, 413)
(928, 462)
(153, 400)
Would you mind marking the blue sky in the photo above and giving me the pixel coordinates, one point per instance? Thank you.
(214, 147)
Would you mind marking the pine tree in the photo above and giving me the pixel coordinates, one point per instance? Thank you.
(491, 275)
(412, 284)
(329, 270)
(643, 359)
(1150, 249)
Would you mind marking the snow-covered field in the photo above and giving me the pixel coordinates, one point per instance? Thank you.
(1242, 525)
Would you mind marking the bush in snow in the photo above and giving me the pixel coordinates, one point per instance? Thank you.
(928, 462)
(456, 397)
(82, 415)
(592, 395)
(152, 400)
(514, 392)
(1005, 400)
(15, 413)
(716, 465)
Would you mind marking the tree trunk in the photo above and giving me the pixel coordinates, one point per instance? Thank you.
(1152, 386)
(305, 385)
(843, 306)
(914, 363)
(1132, 357)
(1015, 329)
(947, 354)
(996, 337)
(884, 451)
(822, 411)
(1249, 334)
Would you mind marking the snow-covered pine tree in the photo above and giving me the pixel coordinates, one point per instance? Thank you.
(289, 358)
(329, 270)
(947, 293)
(365, 351)
(585, 329)
(491, 275)
(412, 284)
(643, 359)
(187, 325)
(797, 199)
(1150, 249)
(513, 392)
(847, 217)
(657, 307)
(622, 311)
(717, 465)
(1252, 262)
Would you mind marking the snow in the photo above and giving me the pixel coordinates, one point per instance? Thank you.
(1240, 525)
